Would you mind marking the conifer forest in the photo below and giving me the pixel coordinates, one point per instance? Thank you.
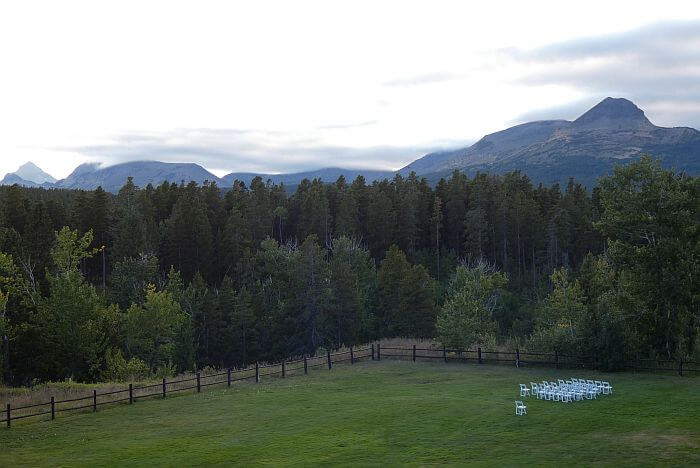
(158, 280)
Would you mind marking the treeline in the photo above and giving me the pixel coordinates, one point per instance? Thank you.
(175, 277)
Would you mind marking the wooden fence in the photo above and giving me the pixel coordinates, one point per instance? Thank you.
(526, 359)
(283, 369)
(161, 389)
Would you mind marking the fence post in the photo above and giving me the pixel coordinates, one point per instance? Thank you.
(53, 408)
(352, 356)
(329, 360)
(306, 367)
(680, 367)
(228, 376)
(131, 394)
(414, 353)
(283, 369)
(94, 400)
(199, 382)
(444, 353)
(556, 359)
(478, 351)
(9, 416)
(373, 351)
(517, 357)
(379, 352)
(257, 372)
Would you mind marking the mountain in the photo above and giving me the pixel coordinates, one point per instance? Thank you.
(112, 178)
(28, 175)
(329, 174)
(31, 172)
(12, 178)
(614, 131)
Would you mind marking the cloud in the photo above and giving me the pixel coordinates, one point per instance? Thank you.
(656, 66)
(232, 150)
(351, 125)
(568, 111)
(417, 80)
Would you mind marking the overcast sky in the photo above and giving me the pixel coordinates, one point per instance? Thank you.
(292, 85)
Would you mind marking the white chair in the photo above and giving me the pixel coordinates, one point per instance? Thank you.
(541, 392)
(524, 391)
(520, 408)
(607, 388)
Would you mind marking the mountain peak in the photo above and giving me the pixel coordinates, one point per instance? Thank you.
(33, 173)
(614, 114)
(28, 166)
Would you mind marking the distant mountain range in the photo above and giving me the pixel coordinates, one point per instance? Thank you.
(112, 178)
(615, 131)
(29, 175)
(329, 174)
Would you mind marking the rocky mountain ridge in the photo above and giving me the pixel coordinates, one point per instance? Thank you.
(615, 131)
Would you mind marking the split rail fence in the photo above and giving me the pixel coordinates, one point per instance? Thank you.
(133, 392)
(284, 368)
(522, 358)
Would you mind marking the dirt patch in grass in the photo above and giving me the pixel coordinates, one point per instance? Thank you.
(647, 438)
(663, 442)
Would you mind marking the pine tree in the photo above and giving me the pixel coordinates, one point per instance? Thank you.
(187, 242)
(436, 226)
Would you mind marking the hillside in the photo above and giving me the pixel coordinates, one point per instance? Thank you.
(330, 174)
(612, 132)
(615, 131)
(28, 175)
(112, 178)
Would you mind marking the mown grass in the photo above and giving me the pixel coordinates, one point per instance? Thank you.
(380, 413)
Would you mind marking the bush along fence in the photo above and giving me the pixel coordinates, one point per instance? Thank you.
(521, 358)
(130, 394)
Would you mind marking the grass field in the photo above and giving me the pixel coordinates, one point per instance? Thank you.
(380, 413)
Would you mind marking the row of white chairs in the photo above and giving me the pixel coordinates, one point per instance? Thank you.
(567, 391)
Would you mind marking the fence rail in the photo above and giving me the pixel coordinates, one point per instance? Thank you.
(283, 369)
(526, 358)
(162, 389)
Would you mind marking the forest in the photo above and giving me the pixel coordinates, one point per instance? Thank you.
(154, 281)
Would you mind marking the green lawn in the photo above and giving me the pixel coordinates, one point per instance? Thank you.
(379, 413)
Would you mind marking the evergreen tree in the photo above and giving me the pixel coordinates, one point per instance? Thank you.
(130, 279)
(187, 242)
(352, 280)
(467, 316)
(381, 220)
(436, 226)
(560, 316)
(405, 298)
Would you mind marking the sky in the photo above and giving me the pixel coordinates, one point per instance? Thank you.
(280, 86)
